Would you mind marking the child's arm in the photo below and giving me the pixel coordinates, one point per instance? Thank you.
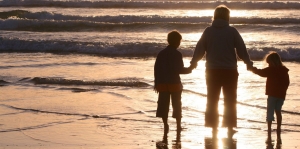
(261, 72)
(186, 70)
(180, 66)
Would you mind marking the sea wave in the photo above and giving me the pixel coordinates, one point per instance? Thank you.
(151, 4)
(125, 82)
(3, 83)
(46, 65)
(21, 20)
(50, 16)
(132, 49)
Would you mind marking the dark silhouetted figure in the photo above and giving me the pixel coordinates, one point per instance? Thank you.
(168, 66)
(222, 45)
(276, 87)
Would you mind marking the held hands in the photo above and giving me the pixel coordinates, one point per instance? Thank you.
(191, 67)
(154, 88)
(250, 67)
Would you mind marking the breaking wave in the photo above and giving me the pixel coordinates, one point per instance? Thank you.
(127, 82)
(150, 4)
(132, 49)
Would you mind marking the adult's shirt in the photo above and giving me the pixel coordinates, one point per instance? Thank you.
(221, 44)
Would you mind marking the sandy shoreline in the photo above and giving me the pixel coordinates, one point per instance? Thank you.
(90, 133)
(102, 117)
(116, 127)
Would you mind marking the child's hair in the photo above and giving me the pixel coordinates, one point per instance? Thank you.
(174, 37)
(222, 12)
(273, 59)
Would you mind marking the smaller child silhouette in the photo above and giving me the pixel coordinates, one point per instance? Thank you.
(276, 87)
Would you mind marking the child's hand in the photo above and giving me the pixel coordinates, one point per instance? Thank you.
(155, 89)
(193, 66)
(250, 67)
(189, 69)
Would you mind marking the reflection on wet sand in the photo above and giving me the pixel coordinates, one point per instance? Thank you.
(215, 143)
(176, 144)
(208, 143)
(271, 146)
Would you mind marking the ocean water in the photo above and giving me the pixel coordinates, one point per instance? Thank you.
(94, 59)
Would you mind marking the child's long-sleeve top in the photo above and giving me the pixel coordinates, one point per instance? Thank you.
(277, 80)
(168, 66)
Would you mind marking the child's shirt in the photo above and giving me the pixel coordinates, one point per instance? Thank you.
(277, 80)
(168, 66)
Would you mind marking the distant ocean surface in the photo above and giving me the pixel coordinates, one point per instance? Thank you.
(50, 48)
(139, 28)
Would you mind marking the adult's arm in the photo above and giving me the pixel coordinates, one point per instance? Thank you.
(199, 50)
(241, 49)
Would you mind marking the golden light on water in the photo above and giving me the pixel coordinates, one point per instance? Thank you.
(210, 13)
(240, 13)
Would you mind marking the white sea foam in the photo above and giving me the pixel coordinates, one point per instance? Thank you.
(154, 4)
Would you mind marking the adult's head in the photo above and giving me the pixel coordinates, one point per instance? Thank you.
(273, 59)
(222, 12)
(174, 38)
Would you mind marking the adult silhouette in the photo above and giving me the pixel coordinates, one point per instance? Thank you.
(222, 45)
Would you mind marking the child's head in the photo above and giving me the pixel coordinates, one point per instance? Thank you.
(273, 59)
(174, 38)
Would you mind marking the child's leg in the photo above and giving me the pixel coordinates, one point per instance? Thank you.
(270, 115)
(279, 121)
(177, 108)
(178, 121)
(269, 130)
(166, 126)
(163, 109)
(278, 108)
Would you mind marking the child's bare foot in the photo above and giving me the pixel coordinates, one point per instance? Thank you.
(179, 128)
(268, 140)
(166, 129)
(279, 141)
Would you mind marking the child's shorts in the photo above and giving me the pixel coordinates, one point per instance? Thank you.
(163, 104)
(274, 104)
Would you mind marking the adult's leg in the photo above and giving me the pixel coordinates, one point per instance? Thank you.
(230, 94)
(213, 95)
(214, 85)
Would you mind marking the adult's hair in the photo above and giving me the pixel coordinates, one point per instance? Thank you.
(273, 59)
(174, 37)
(222, 12)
